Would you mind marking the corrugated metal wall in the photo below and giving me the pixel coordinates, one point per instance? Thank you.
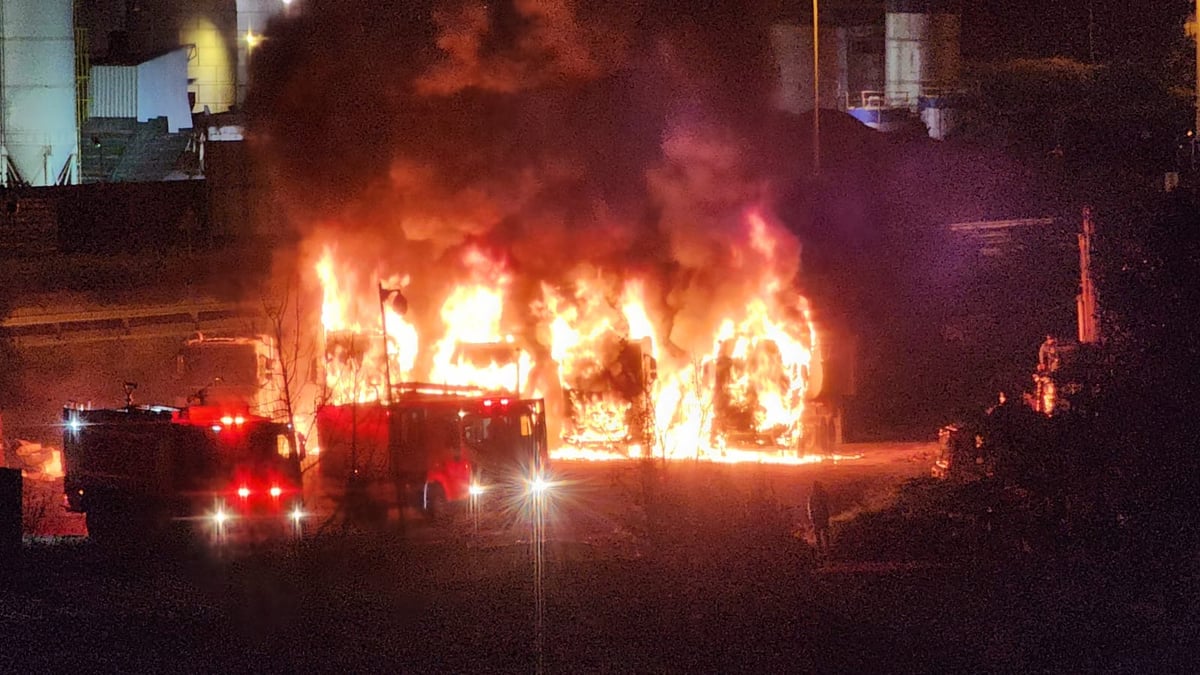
(114, 91)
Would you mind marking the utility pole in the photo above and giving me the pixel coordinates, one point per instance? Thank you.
(817, 88)
(1092, 32)
(387, 360)
(1085, 304)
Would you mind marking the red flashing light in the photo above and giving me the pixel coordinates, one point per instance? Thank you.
(487, 403)
(275, 491)
(503, 401)
(243, 492)
(227, 420)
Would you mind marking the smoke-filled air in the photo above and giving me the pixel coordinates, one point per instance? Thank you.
(563, 200)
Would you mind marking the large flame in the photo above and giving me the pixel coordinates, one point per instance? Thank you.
(597, 343)
(474, 350)
(356, 367)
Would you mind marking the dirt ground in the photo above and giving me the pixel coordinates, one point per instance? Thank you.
(688, 569)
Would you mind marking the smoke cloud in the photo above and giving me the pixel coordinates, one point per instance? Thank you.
(559, 137)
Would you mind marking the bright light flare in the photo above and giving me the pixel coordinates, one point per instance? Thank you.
(475, 489)
(539, 486)
(253, 39)
(243, 492)
(297, 515)
(275, 491)
(219, 517)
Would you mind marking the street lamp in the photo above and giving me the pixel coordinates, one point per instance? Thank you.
(817, 88)
(1196, 34)
(252, 39)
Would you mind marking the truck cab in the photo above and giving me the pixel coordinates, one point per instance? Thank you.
(433, 444)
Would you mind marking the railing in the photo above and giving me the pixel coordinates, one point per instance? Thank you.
(432, 389)
(874, 99)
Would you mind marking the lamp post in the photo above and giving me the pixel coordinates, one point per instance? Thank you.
(387, 361)
(816, 158)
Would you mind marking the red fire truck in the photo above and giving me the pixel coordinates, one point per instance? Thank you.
(136, 471)
(433, 444)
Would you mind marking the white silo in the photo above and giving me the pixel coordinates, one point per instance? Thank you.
(39, 132)
(252, 19)
(921, 49)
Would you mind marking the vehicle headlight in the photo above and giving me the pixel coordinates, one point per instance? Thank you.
(475, 489)
(539, 485)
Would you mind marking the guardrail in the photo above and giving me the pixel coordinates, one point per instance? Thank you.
(29, 328)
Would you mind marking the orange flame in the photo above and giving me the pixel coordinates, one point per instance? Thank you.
(626, 389)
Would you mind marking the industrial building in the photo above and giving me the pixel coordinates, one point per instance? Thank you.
(106, 91)
(886, 63)
(127, 196)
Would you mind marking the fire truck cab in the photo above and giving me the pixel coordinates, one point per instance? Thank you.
(433, 444)
(136, 470)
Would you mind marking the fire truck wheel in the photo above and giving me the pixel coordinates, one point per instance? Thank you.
(122, 522)
(102, 527)
(435, 502)
(112, 523)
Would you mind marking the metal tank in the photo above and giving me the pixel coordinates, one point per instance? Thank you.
(252, 19)
(921, 49)
(792, 47)
(39, 131)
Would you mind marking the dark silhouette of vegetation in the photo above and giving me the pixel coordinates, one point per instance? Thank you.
(1114, 475)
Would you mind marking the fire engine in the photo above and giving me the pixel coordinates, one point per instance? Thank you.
(138, 470)
(433, 444)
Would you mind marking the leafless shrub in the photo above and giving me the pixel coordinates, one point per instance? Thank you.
(37, 506)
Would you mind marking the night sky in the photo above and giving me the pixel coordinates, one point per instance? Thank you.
(997, 29)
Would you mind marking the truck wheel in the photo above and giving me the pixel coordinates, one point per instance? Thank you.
(105, 526)
(120, 523)
(434, 506)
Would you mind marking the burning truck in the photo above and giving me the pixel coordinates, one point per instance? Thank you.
(597, 349)
(591, 196)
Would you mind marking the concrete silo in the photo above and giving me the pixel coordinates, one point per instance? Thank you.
(921, 49)
(39, 131)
